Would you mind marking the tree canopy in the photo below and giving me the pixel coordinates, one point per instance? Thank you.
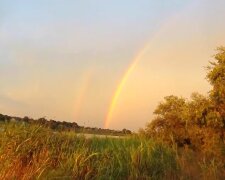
(196, 120)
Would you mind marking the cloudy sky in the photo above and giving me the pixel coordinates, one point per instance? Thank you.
(76, 60)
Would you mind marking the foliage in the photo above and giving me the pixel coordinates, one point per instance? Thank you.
(176, 117)
(216, 77)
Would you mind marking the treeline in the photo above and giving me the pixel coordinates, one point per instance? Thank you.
(197, 123)
(63, 126)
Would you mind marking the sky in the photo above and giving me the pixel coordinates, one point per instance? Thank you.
(101, 63)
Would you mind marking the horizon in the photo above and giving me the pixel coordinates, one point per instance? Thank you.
(104, 64)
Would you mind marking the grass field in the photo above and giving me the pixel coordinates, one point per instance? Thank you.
(34, 152)
(28, 152)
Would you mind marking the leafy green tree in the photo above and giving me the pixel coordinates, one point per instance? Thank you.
(169, 123)
(197, 120)
(216, 77)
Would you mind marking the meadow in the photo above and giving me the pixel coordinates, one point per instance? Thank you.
(35, 152)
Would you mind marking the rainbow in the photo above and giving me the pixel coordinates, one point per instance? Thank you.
(122, 84)
(135, 62)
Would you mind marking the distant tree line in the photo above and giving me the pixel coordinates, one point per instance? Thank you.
(63, 126)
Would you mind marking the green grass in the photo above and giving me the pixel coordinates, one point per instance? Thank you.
(32, 152)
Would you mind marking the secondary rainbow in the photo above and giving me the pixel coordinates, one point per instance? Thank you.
(85, 83)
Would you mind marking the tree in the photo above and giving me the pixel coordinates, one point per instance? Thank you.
(197, 120)
(216, 77)
(169, 122)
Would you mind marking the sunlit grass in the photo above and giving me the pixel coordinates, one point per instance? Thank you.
(34, 152)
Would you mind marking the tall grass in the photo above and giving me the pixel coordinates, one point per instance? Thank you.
(34, 152)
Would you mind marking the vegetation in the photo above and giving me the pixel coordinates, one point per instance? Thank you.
(63, 126)
(34, 152)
